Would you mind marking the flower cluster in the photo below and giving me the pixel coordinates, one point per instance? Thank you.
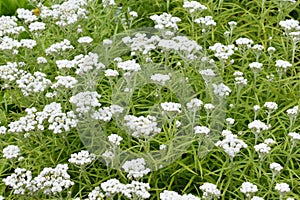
(170, 195)
(165, 21)
(82, 158)
(133, 189)
(49, 181)
(135, 168)
(142, 127)
(231, 145)
(210, 191)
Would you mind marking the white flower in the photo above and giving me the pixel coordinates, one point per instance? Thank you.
(95, 194)
(294, 136)
(194, 104)
(269, 141)
(293, 112)
(135, 168)
(255, 66)
(262, 149)
(276, 167)
(282, 188)
(85, 40)
(271, 50)
(165, 21)
(115, 139)
(129, 65)
(282, 65)
(206, 21)
(194, 6)
(201, 130)
(85, 101)
(209, 107)
(271, 106)
(248, 189)
(37, 26)
(142, 127)
(221, 90)
(111, 73)
(41, 60)
(171, 107)
(257, 126)
(210, 191)
(3, 130)
(133, 14)
(82, 158)
(244, 42)
(160, 78)
(64, 81)
(11, 151)
(231, 144)
(19, 181)
(256, 198)
(222, 52)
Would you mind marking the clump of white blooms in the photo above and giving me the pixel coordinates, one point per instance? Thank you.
(142, 127)
(201, 130)
(52, 180)
(137, 189)
(244, 43)
(210, 191)
(64, 82)
(11, 152)
(269, 141)
(289, 25)
(271, 106)
(194, 7)
(9, 26)
(256, 198)
(171, 195)
(85, 40)
(262, 149)
(141, 43)
(135, 168)
(195, 104)
(19, 181)
(221, 89)
(231, 145)
(160, 78)
(209, 107)
(282, 66)
(103, 114)
(106, 3)
(96, 194)
(275, 168)
(58, 48)
(26, 15)
(28, 43)
(295, 137)
(206, 23)
(37, 27)
(129, 65)
(255, 66)
(3, 130)
(67, 13)
(33, 83)
(111, 73)
(115, 139)
(248, 189)
(87, 63)
(85, 101)
(171, 107)
(257, 126)
(222, 51)
(82, 158)
(282, 188)
(165, 21)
